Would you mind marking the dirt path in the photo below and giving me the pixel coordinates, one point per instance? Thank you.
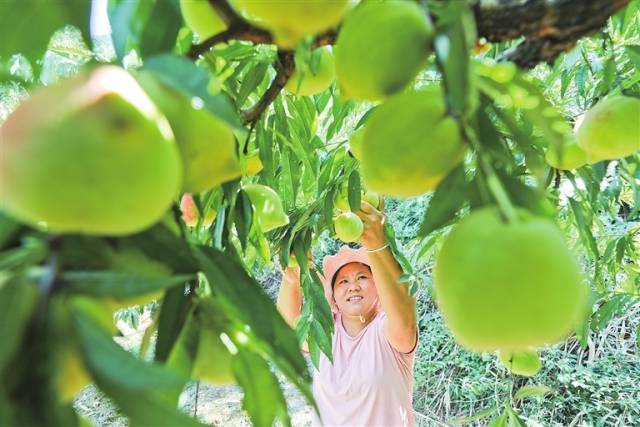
(217, 405)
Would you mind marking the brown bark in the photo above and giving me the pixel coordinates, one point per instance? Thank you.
(549, 28)
(284, 68)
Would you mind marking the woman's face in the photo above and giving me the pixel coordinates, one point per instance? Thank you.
(354, 289)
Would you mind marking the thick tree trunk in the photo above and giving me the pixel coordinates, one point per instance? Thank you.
(549, 27)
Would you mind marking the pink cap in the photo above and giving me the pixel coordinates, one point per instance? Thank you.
(332, 263)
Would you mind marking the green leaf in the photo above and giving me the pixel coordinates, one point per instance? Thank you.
(455, 34)
(633, 53)
(128, 19)
(27, 26)
(313, 292)
(173, 313)
(8, 229)
(514, 90)
(484, 413)
(583, 228)
(145, 392)
(31, 252)
(161, 244)
(251, 81)
(17, 303)
(191, 80)
(447, 200)
(119, 285)
(243, 217)
(6, 410)
(582, 332)
(247, 301)
(514, 419)
(531, 390)
(321, 338)
(490, 136)
(157, 38)
(354, 193)
(390, 234)
(263, 399)
(500, 421)
(616, 305)
(608, 77)
(149, 27)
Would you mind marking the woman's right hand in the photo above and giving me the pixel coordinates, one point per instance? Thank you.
(292, 273)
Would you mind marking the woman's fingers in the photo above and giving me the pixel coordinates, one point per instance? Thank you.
(366, 207)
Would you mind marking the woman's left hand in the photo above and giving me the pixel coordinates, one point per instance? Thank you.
(373, 235)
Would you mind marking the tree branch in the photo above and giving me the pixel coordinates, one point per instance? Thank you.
(226, 12)
(284, 67)
(549, 28)
(324, 39)
(239, 31)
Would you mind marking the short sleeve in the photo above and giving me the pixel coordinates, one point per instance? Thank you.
(406, 359)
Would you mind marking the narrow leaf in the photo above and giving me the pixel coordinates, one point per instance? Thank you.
(193, 81)
(532, 390)
(27, 26)
(484, 413)
(448, 198)
(354, 194)
(119, 285)
(161, 38)
(145, 392)
(263, 399)
(17, 302)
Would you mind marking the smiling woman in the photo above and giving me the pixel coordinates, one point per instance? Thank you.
(370, 380)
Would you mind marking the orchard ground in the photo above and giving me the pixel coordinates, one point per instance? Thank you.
(593, 386)
(597, 384)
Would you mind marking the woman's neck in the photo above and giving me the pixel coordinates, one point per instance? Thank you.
(354, 324)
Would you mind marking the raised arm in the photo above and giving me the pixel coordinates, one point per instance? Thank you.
(289, 302)
(401, 326)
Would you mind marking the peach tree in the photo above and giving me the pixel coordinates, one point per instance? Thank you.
(199, 140)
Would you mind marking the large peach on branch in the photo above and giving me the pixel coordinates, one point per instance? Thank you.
(201, 18)
(206, 142)
(410, 144)
(315, 77)
(90, 155)
(611, 129)
(291, 20)
(267, 205)
(348, 226)
(508, 285)
(381, 48)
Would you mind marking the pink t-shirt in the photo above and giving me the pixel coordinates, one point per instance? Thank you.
(369, 383)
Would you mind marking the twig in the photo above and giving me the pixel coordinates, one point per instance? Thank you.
(226, 12)
(195, 404)
(284, 67)
(326, 38)
(239, 31)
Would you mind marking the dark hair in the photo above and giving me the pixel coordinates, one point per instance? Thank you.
(333, 279)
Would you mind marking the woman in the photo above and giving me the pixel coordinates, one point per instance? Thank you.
(370, 380)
